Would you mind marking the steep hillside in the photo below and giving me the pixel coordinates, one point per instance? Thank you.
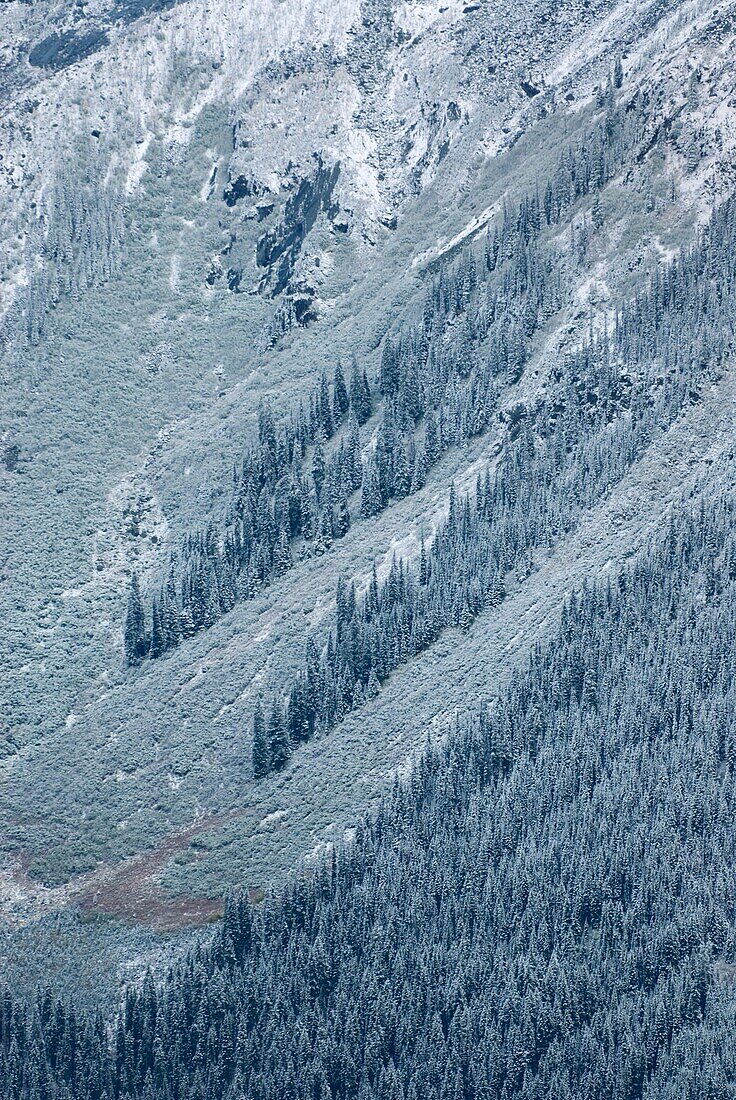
(544, 906)
(512, 224)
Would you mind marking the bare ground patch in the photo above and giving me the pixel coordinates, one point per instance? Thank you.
(132, 890)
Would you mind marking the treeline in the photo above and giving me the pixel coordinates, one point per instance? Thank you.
(610, 400)
(439, 382)
(544, 908)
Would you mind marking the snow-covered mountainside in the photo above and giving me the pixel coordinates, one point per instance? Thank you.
(471, 206)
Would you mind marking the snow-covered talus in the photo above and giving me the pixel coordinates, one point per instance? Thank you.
(152, 78)
(387, 91)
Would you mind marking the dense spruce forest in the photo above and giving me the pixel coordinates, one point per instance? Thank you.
(545, 907)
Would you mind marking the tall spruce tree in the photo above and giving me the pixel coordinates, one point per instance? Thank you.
(135, 625)
(341, 397)
(158, 636)
(318, 465)
(342, 519)
(278, 737)
(371, 501)
(261, 753)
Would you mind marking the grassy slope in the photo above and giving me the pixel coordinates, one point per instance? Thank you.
(337, 777)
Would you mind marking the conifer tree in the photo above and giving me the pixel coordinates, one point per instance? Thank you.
(172, 626)
(341, 398)
(318, 465)
(278, 737)
(135, 626)
(342, 520)
(186, 622)
(431, 439)
(325, 408)
(158, 640)
(419, 475)
(261, 751)
(389, 368)
(282, 558)
(373, 687)
(371, 501)
(596, 213)
(618, 73)
(366, 397)
(402, 472)
(423, 566)
(354, 463)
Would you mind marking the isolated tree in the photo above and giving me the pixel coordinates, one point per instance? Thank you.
(278, 737)
(135, 625)
(618, 73)
(261, 750)
(340, 392)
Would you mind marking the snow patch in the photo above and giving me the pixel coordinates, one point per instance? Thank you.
(416, 18)
(471, 230)
(139, 165)
(207, 189)
(174, 272)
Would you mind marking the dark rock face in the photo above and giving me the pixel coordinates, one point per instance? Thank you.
(239, 188)
(529, 89)
(279, 247)
(304, 312)
(60, 50)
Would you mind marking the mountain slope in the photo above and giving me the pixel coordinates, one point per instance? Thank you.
(543, 907)
(226, 201)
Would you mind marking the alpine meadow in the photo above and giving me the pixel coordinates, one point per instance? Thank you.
(367, 550)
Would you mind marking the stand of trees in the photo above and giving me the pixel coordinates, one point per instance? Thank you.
(74, 242)
(439, 379)
(274, 503)
(611, 399)
(544, 908)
